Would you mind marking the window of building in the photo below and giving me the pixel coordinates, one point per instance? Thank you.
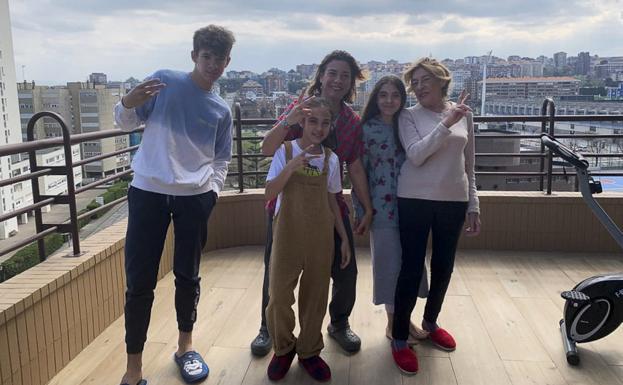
(89, 109)
(89, 119)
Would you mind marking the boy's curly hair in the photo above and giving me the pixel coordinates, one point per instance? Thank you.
(215, 38)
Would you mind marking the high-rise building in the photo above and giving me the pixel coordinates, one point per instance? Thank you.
(545, 60)
(583, 65)
(97, 78)
(531, 69)
(93, 105)
(560, 59)
(15, 196)
(458, 81)
(472, 60)
(34, 99)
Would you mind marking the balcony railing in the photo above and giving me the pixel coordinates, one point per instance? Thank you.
(547, 119)
(39, 201)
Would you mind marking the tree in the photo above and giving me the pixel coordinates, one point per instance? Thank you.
(255, 163)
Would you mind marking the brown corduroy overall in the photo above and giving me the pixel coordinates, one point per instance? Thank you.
(302, 242)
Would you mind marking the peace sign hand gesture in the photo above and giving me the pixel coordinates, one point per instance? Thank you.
(457, 111)
(301, 160)
(299, 111)
(142, 93)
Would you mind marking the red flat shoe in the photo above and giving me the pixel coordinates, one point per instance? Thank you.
(406, 360)
(279, 365)
(442, 339)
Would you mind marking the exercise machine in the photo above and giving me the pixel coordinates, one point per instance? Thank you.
(594, 307)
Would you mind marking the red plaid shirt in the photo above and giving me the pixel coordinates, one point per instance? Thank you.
(349, 137)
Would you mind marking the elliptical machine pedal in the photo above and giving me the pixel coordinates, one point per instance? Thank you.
(575, 296)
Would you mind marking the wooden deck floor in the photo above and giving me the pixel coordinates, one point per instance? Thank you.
(502, 307)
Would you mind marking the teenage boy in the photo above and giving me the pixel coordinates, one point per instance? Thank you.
(179, 169)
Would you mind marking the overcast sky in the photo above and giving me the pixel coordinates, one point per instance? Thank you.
(65, 40)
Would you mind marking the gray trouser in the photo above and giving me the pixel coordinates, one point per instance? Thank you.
(386, 261)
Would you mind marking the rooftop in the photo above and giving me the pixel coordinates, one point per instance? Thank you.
(503, 308)
(61, 322)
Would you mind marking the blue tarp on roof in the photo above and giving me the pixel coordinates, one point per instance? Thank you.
(611, 183)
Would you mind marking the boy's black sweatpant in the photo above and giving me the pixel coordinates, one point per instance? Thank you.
(148, 220)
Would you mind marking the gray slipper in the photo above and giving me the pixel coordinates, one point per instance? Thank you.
(141, 382)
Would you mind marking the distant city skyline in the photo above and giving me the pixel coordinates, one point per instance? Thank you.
(134, 77)
(66, 40)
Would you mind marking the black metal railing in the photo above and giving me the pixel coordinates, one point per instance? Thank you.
(66, 141)
(548, 119)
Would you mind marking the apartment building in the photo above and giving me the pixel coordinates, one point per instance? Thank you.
(531, 87)
(609, 67)
(93, 111)
(10, 130)
(34, 99)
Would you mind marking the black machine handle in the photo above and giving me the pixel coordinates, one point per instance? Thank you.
(564, 152)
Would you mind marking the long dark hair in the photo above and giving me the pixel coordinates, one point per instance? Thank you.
(355, 74)
(372, 110)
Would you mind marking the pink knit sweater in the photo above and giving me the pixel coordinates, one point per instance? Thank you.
(440, 160)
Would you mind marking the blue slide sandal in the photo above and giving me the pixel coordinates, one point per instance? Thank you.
(192, 367)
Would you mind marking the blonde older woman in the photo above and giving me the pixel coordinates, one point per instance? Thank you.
(436, 193)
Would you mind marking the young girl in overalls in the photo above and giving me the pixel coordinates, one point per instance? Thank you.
(305, 176)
